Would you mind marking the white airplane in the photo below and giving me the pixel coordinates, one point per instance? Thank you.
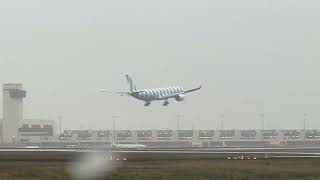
(128, 146)
(148, 95)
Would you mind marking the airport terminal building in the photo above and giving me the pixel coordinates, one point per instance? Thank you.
(195, 138)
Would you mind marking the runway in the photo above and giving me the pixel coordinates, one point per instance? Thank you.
(49, 154)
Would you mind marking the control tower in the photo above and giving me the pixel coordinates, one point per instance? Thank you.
(13, 95)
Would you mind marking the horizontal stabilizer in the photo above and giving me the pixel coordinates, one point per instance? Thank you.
(117, 92)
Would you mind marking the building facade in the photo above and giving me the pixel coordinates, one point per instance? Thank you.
(13, 95)
(37, 130)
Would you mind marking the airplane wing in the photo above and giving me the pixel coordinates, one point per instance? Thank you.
(191, 90)
(176, 94)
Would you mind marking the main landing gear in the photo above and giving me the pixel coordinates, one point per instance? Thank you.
(166, 102)
(147, 104)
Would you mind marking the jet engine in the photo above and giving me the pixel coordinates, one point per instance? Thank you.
(180, 97)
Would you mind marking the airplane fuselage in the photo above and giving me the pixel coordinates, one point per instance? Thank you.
(153, 94)
(129, 146)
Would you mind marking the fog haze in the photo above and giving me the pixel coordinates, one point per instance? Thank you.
(250, 56)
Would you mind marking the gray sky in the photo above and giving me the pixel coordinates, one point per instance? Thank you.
(251, 57)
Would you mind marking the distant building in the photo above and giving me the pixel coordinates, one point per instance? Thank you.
(13, 95)
(37, 130)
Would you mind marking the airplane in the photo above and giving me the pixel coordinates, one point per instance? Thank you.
(155, 94)
(128, 146)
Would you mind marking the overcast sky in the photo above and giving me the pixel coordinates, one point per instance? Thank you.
(251, 57)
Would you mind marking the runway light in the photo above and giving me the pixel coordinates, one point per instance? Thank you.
(255, 158)
(229, 158)
(124, 159)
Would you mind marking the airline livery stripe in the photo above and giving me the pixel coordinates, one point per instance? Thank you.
(161, 92)
(153, 93)
(171, 90)
(156, 93)
(175, 89)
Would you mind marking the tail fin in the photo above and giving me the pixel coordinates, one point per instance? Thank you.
(129, 81)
